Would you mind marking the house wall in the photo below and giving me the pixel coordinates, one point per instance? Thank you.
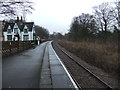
(12, 33)
(15, 26)
(0, 31)
(5, 36)
(33, 29)
(21, 36)
(30, 34)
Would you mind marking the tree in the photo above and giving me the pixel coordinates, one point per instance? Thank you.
(56, 35)
(15, 7)
(74, 29)
(105, 16)
(42, 32)
(118, 13)
(83, 27)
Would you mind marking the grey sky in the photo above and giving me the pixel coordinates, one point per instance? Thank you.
(56, 15)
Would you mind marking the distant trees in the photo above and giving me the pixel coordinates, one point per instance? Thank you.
(103, 25)
(14, 7)
(42, 32)
(83, 27)
(56, 35)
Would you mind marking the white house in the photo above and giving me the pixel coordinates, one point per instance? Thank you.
(19, 30)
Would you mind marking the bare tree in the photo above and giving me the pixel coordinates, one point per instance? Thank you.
(105, 16)
(117, 3)
(15, 7)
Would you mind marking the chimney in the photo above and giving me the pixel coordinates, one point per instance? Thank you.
(21, 19)
(17, 19)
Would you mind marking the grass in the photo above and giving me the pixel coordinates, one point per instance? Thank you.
(104, 56)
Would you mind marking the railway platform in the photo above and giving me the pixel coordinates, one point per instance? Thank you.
(54, 74)
(36, 68)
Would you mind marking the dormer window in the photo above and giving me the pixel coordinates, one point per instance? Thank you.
(25, 31)
(9, 30)
(16, 30)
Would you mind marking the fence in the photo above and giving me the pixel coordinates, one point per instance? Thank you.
(10, 48)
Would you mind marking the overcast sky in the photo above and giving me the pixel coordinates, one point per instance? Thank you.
(56, 15)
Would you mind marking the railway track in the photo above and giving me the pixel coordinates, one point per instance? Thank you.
(95, 78)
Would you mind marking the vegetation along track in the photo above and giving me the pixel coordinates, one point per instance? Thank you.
(84, 77)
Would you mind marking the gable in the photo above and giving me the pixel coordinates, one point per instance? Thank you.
(15, 26)
(25, 27)
(33, 28)
(29, 25)
(8, 25)
(20, 25)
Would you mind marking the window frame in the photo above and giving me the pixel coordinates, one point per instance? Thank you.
(8, 38)
(25, 39)
(9, 31)
(15, 30)
(25, 30)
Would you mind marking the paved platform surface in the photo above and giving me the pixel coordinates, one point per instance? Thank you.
(36, 68)
(23, 70)
(54, 73)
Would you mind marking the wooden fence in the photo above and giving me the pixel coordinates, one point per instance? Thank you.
(13, 47)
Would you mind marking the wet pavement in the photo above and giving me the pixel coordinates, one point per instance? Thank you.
(59, 73)
(23, 70)
(36, 68)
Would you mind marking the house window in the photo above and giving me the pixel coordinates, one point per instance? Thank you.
(16, 30)
(34, 37)
(25, 37)
(25, 31)
(9, 30)
(9, 37)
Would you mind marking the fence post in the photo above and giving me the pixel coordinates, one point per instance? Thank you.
(17, 46)
(10, 49)
(23, 45)
(30, 44)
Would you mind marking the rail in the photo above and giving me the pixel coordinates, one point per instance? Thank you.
(108, 86)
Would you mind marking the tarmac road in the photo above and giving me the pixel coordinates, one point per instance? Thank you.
(23, 70)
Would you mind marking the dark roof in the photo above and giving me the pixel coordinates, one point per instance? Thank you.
(29, 25)
(8, 24)
(21, 25)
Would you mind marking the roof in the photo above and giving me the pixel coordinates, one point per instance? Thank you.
(21, 25)
(7, 24)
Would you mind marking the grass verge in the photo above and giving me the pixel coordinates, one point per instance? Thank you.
(104, 56)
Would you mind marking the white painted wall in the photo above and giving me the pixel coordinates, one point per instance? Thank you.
(21, 36)
(15, 26)
(30, 34)
(5, 36)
